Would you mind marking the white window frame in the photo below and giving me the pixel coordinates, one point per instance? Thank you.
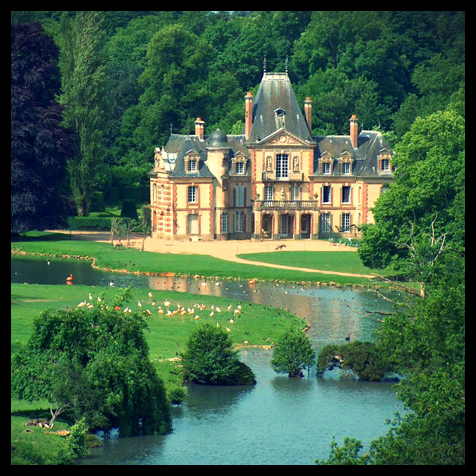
(385, 165)
(295, 193)
(349, 199)
(326, 168)
(326, 222)
(324, 194)
(224, 222)
(282, 166)
(192, 165)
(346, 168)
(193, 194)
(345, 222)
(240, 168)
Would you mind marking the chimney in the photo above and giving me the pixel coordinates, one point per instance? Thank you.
(248, 114)
(308, 112)
(354, 130)
(199, 128)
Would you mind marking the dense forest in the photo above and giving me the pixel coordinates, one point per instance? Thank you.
(141, 74)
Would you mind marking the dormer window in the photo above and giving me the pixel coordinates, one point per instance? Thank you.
(191, 163)
(385, 162)
(239, 164)
(345, 163)
(192, 166)
(325, 163)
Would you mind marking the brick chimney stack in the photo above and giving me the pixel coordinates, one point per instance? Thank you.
(308, 112)
(354, 130)
(248, 114)
(199, 128)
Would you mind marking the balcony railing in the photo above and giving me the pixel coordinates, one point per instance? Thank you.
(270, 176)
(286, 204)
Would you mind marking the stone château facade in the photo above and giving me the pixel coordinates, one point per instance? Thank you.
(274, 180)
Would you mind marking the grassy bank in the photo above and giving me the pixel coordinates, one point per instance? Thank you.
(323, 260)
(133, 260)
(257, 324)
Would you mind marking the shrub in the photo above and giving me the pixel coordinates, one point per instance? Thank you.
(362, 358)
(97, 202)
(210, 359)
(129, 209)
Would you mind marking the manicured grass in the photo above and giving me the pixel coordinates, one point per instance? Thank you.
(342, 261)
(181, 264)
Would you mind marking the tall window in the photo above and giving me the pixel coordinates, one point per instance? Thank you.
(154, 196)
(268, 193)
(346, 194)
(326, 194)
(345, 222)
(295, 192)
(240, 222)
(240, 192)
(282, 166)
(193, 194)
(326, 168)
(224, 222)
(326, 222)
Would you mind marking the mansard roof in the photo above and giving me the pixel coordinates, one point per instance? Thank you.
(276, 106)
(370, 144)
(179, 146)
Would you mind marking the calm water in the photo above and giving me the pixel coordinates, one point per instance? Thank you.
(280, 420)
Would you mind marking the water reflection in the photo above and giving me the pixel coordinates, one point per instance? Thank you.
(278, 421)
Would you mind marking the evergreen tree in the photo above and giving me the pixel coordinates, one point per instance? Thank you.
(84, 68)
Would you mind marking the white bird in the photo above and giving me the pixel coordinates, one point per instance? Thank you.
(82, 304)
(229, 307)
(166, 303)
(211, 314)
(218, 325)
(90, 297)
(228, 329)
(139, 304)
(111, 284)
(150, 295)
(232, 321)
(218, 309)
(245, 342)
(161, 311)
(90, 306)
(197, 317)
(99, 299)
(236, 312)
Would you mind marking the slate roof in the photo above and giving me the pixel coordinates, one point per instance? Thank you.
(179, 146)
(365, 155)
(276, 106)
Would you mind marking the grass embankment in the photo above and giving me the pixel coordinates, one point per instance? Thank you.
(133, 260)
(167, 336)
(323, 260)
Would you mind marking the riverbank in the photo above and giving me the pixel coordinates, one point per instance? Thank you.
(189, 258)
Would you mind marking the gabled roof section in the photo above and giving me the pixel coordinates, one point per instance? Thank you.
(275, 107)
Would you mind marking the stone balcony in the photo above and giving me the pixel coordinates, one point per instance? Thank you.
(270, 176)
(285, 205)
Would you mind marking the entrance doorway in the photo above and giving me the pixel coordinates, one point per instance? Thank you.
(193, 224)
(267, 226)
(286, 225)
(305, 226)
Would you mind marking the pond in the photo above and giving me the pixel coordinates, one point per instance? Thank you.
(280, 420)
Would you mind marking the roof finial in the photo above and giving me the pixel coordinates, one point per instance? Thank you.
(287, 64)
(264, 64)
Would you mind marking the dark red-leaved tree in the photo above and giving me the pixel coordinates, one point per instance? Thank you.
(39, 145)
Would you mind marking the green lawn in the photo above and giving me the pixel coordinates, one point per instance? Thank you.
(342, 261)
(180, 264)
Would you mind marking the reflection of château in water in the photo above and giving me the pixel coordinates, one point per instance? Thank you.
(276, 179)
